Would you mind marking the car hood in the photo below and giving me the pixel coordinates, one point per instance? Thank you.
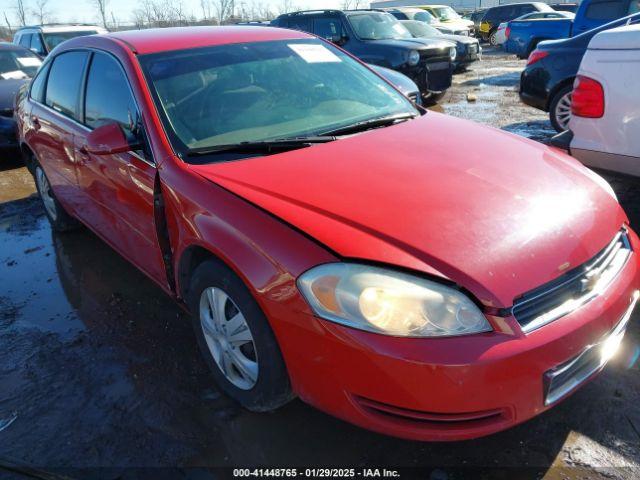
(428, 196)
(8, 90)
(432, 42)
(459, 39)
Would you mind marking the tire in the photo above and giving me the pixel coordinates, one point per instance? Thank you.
(492, 39)
(246, 363)
(58, 217)
(560, 109)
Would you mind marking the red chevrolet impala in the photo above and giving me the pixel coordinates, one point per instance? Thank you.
(331, 240)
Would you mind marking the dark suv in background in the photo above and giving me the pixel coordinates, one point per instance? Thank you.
(378, 38)
(494, 16)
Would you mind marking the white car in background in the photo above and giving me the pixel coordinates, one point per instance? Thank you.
(605, 104)
(501, 32)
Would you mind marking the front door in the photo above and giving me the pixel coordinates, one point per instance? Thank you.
(120, 186)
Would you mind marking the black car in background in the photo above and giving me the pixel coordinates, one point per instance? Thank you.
(17, 66)
(476, 17)
(468, 49)
(547, 81)
(494, 16)
(378, 38)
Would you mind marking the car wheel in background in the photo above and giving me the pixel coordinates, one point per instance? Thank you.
(492, 38)
(560, 109)
(236, 340)
(60, 220)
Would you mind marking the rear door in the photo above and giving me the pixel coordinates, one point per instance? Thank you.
(119, 187)
(55, 120)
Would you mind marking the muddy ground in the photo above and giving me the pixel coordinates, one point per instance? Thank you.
(99, 370)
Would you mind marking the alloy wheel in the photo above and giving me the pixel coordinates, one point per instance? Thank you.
(229, 338)
(563, 111)
(45, 193)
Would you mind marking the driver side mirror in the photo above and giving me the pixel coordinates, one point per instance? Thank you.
(109, 139)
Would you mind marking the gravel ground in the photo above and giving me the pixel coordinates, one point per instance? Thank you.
(100, 374)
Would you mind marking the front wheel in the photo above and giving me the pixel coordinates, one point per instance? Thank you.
(236, 340)
(560, 109)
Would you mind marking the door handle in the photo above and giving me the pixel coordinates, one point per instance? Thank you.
(83, 150)
(35, 122)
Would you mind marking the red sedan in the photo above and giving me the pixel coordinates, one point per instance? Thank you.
(332, 240)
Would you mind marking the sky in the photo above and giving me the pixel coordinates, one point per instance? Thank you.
(84, 11)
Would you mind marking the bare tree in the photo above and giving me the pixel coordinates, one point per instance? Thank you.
(352, 4)
(21, 12)
(101, 7)
(286, 6)
(224, 9)
(161, 13)
(206, 7)
(41, 11)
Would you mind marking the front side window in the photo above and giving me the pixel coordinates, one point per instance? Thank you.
(53, 39)
(63, 86)
(377, 26)
(264, 91)
(18, 64)
(299, 23)
(36, 45)
(108, 98)
(327, 28)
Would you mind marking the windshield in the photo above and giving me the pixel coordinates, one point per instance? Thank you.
(377, 26)
(423, 16)
(17, 64)
(53, 39)
(421, 29)
(445, 13)
(253, 92)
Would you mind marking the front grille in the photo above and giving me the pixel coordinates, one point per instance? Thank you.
(573, 289)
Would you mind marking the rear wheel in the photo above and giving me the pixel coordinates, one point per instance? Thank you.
(236, 340)
(560, 109)
(60, 220)
(493, 39)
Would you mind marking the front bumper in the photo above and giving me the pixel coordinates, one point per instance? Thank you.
(450, 388)
(432, 76)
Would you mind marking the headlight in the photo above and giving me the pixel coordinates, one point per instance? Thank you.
(414, 58)
(388, 302)
(452, 53)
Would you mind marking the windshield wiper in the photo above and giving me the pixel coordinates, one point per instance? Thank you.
(372, 123)
(264, 146)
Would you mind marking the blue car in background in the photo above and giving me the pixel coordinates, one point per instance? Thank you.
(524, 35)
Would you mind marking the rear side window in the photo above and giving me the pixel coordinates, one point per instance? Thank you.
(109, 97)
(606, 10)
(63, 86)
(39, 83)
(327, 28)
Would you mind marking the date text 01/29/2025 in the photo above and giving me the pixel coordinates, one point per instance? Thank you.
(316, 473)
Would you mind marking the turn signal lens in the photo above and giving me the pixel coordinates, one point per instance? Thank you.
(507, 32)
(587, 99)
(536, 55)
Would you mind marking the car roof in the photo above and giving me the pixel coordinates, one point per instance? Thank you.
(182, 38)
